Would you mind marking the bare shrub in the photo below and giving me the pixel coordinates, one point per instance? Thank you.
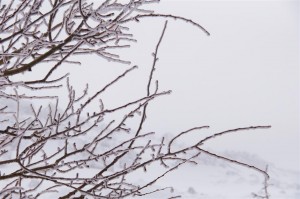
(72, 153)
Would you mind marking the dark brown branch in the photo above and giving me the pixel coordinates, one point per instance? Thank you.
(137, 17)
(235, 162)
(231, 131)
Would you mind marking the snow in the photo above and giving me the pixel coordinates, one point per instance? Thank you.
(216, 179)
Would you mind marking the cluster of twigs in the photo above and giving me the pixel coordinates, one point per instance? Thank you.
(74, 153)
(38, 31)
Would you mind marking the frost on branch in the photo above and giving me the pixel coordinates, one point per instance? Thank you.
(51, 152)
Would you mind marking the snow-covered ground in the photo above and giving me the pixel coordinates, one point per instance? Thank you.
(213, 178)
(217, 179)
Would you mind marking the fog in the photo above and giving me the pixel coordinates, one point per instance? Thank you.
(245, 73)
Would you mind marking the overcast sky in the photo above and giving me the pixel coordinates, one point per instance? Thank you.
(246, 73)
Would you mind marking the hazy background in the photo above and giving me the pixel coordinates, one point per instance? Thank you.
(246, 73)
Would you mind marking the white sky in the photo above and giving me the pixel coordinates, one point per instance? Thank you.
(246, 73)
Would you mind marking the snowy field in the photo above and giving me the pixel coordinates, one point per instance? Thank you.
(217, 179)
